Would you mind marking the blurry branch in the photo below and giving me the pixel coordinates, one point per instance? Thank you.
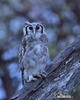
(6, 80)
(75, 4)
(15, 59)
(62, 79)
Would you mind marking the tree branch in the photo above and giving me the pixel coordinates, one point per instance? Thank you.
(63, 76)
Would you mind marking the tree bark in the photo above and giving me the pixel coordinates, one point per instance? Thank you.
(63, 77)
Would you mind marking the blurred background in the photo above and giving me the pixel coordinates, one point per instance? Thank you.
(61, 19)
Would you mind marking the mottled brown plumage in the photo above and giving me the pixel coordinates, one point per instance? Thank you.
(33, 52)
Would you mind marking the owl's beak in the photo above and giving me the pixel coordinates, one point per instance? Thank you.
(33, 35)
(34, 31)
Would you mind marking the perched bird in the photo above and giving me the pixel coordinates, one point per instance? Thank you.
(33, 52)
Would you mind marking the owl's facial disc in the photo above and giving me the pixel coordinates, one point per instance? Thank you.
(39, 28)
(33, 29)
(28, 30)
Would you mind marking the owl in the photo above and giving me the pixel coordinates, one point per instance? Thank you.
(33, 52)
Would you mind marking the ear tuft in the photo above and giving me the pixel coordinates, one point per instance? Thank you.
(26, 23)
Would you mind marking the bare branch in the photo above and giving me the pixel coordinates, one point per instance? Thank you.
(63, 76)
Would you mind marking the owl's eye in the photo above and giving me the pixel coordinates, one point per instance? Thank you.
(30, 28)
(37, 27)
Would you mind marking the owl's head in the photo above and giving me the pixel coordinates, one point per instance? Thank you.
(33, 29)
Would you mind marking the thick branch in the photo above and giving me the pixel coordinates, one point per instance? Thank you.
(62, 78)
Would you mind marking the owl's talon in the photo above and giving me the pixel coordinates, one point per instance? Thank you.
(43, 74)
(38, 76)
(34, 79)
(31, 78)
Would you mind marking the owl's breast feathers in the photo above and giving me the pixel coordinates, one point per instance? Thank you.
(44, 38)
(33, 47)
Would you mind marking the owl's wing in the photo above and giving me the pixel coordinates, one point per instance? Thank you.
(21, 54)
(22, 51)
(44, 38)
